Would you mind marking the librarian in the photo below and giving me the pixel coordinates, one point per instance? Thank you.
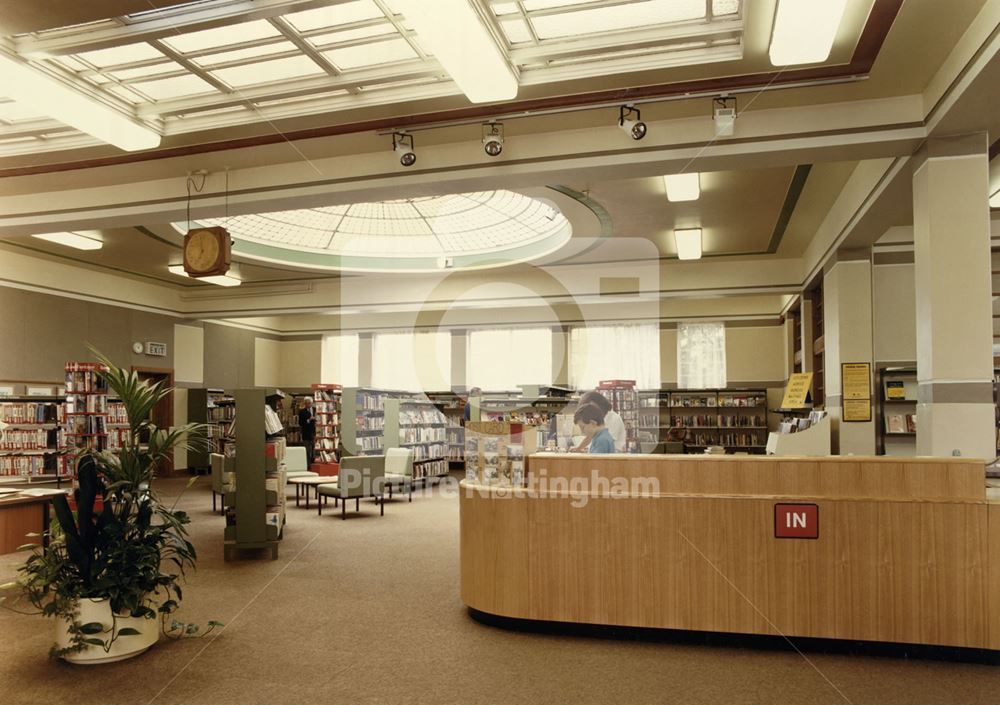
(590, 419)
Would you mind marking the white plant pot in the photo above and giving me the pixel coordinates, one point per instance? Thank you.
(122, 648)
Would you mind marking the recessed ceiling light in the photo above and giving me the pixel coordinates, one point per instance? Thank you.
(688, 243)
(46, 95)
(69, 239)
(453, 32)
(221, 280)
(683, 187)
(804, 31)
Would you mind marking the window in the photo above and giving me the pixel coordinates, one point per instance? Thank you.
(339, 363)
(701, 355)
(411, 361)
(502, 358)
(615, 352)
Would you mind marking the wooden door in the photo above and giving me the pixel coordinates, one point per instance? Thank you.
(162, 415)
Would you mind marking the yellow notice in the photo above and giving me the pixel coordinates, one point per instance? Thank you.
(857, 410)
(797, 391)
(855, 380)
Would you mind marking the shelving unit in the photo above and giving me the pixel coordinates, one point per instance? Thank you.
(795, 316)
(33, 445)
(418, 425)
(819, 343)
(217, 410)
(86, 407)
(735, 419)
(625, 400)
(452, 405)
(362, 420)
(495, 452)
(897, 411)
(327, 411)
(653, 418)
(255, 496)
(117, 424)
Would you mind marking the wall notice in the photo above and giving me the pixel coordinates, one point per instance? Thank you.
(855, 381)
(797, 391)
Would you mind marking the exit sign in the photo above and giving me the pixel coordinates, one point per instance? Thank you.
(796, 521)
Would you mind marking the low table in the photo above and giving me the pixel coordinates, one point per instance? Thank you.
(22, 513)
(308, 482)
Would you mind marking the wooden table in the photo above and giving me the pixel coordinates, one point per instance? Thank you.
(308, 482)
(21, 515)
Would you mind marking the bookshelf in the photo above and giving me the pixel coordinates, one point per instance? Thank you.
(453, 407)
(362, 420)
(327, 411)
(418, 425)
(733, 418)
(217, 410)
(254, 480)
(33, 445)
(86, 406)
(819, 342)
(795, 316)
(897, 411)
(495, 452)
(117, 424)
(653, 418)
(625, 400)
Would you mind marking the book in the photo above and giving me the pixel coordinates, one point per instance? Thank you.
(895, 389)
(911, 423)
(894, 423)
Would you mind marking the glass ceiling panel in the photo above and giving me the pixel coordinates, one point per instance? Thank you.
(348, 35)
(267, 71)
(618, 17)
(516, 30)
(725, 7)
(531, 5)
(145, 71)
(222, 36)
(505, 8)
(168, 88)
(260, 52)
(371, 54)
(115, 56)
(334, 15)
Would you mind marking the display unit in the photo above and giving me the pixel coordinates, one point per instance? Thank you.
(215, 409)
(33, 445)
(452, 405)
(254, 480)
(117, 424)
(652, 418)
(625, 400)
(735, 419)
(86, 406)
(897, 411)
(496, 452)
(327, 411)
(289, 415)
(362, 420)
(418, 425)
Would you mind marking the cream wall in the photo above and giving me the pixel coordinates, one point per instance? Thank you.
(299, 362)
(189, 354)
(266, 363)
(755, 355)
(894, 313)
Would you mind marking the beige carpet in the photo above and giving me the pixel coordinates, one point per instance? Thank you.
(368, 611)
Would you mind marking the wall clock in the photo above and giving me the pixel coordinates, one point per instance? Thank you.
(207, 252)
(137, 348)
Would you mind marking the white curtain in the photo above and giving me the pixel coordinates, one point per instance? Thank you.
(615, 352)
(339, 362)
(502, 358)
(701, 355)
(411, 361)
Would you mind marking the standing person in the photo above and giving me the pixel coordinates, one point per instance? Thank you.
(590, 419)
(307, 425)
(474, 392)
(612, 421)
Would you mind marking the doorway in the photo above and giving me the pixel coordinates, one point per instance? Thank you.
(162, 414)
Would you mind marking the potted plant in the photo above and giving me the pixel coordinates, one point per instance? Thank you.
(113, 567)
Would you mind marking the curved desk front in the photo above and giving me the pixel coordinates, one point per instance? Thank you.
(906, 550)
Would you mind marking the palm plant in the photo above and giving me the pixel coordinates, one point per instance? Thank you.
(134, 551)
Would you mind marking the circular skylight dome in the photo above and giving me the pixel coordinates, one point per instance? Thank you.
(460, 231)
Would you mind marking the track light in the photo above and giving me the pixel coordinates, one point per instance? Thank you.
(493, 138)
(724, 115)
(636, 129)
(402, 144)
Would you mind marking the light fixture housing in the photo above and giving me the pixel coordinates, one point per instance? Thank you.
(724, 115)
(493, 138)
(455, 34)
(634, 128)
(683, 187)
(804, 31)
(49, 96)
(995, 199)
(688, 242)
(220, 280)
(80, 241)
(402, 144)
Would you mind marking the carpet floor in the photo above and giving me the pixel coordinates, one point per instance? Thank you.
(368, 611)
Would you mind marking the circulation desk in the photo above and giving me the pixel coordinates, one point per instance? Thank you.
(879, 548)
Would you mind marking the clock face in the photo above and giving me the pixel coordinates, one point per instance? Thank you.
(202, 250)
(137, 348)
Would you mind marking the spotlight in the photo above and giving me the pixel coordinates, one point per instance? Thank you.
(402, 144)
(724, 115)
(493, 138)
(636, 129)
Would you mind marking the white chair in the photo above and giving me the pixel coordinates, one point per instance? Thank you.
(296, 463)
(399, 470)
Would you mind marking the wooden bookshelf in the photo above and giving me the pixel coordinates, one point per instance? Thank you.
(452, 405)
(897, 410)
(33, 446)
(819, 342)
(327, 411)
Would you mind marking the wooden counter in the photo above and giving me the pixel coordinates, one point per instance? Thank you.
(907, 549)
(21, 515)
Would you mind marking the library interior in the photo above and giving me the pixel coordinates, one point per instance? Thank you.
(655, 342)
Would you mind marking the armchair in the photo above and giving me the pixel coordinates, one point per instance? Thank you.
(360, 476)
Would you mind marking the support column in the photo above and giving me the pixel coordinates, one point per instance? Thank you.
(365, 360)
(847, 323)
(459, 362)
(808, 332)
(951, 233)
(560, 356)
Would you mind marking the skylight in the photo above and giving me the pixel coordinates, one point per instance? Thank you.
(222, 36)
(461, 231)
(267, 71)
(334, 15)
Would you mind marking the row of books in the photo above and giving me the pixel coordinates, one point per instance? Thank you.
(901, 423)
(33, 439)
(86, 404)
(742, 400)
(116, 413)
(793, 425)
(456, 453)
(741, 420)
(33, 465)
(370, 443)
(84, 377)
(221, 414)
(370, 423)
(422, 434)
(421, 416)
(696, 401)
(86, 425)
(32, 412)
(433, 468)
(371, 401)
(428, 452)
(117, 437)
(742, 438)
(690, 420)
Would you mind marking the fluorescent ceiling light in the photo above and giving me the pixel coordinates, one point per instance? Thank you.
(995, 199)
(688, 243)
(453, 32)
(77, 240)
(221, 280)
(683, 187)
(67, 105)
(804, 31)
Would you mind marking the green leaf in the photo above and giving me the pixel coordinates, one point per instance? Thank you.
(91, 628)
(128, 631)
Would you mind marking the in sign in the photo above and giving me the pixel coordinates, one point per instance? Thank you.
(796, 521)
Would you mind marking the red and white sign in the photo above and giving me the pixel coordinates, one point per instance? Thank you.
(796, 521)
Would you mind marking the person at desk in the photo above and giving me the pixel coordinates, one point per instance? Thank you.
(678, 433)
(307, 425)
(590, 419)
(611, 420)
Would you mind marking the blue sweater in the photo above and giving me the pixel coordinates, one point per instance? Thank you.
(602, 442)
